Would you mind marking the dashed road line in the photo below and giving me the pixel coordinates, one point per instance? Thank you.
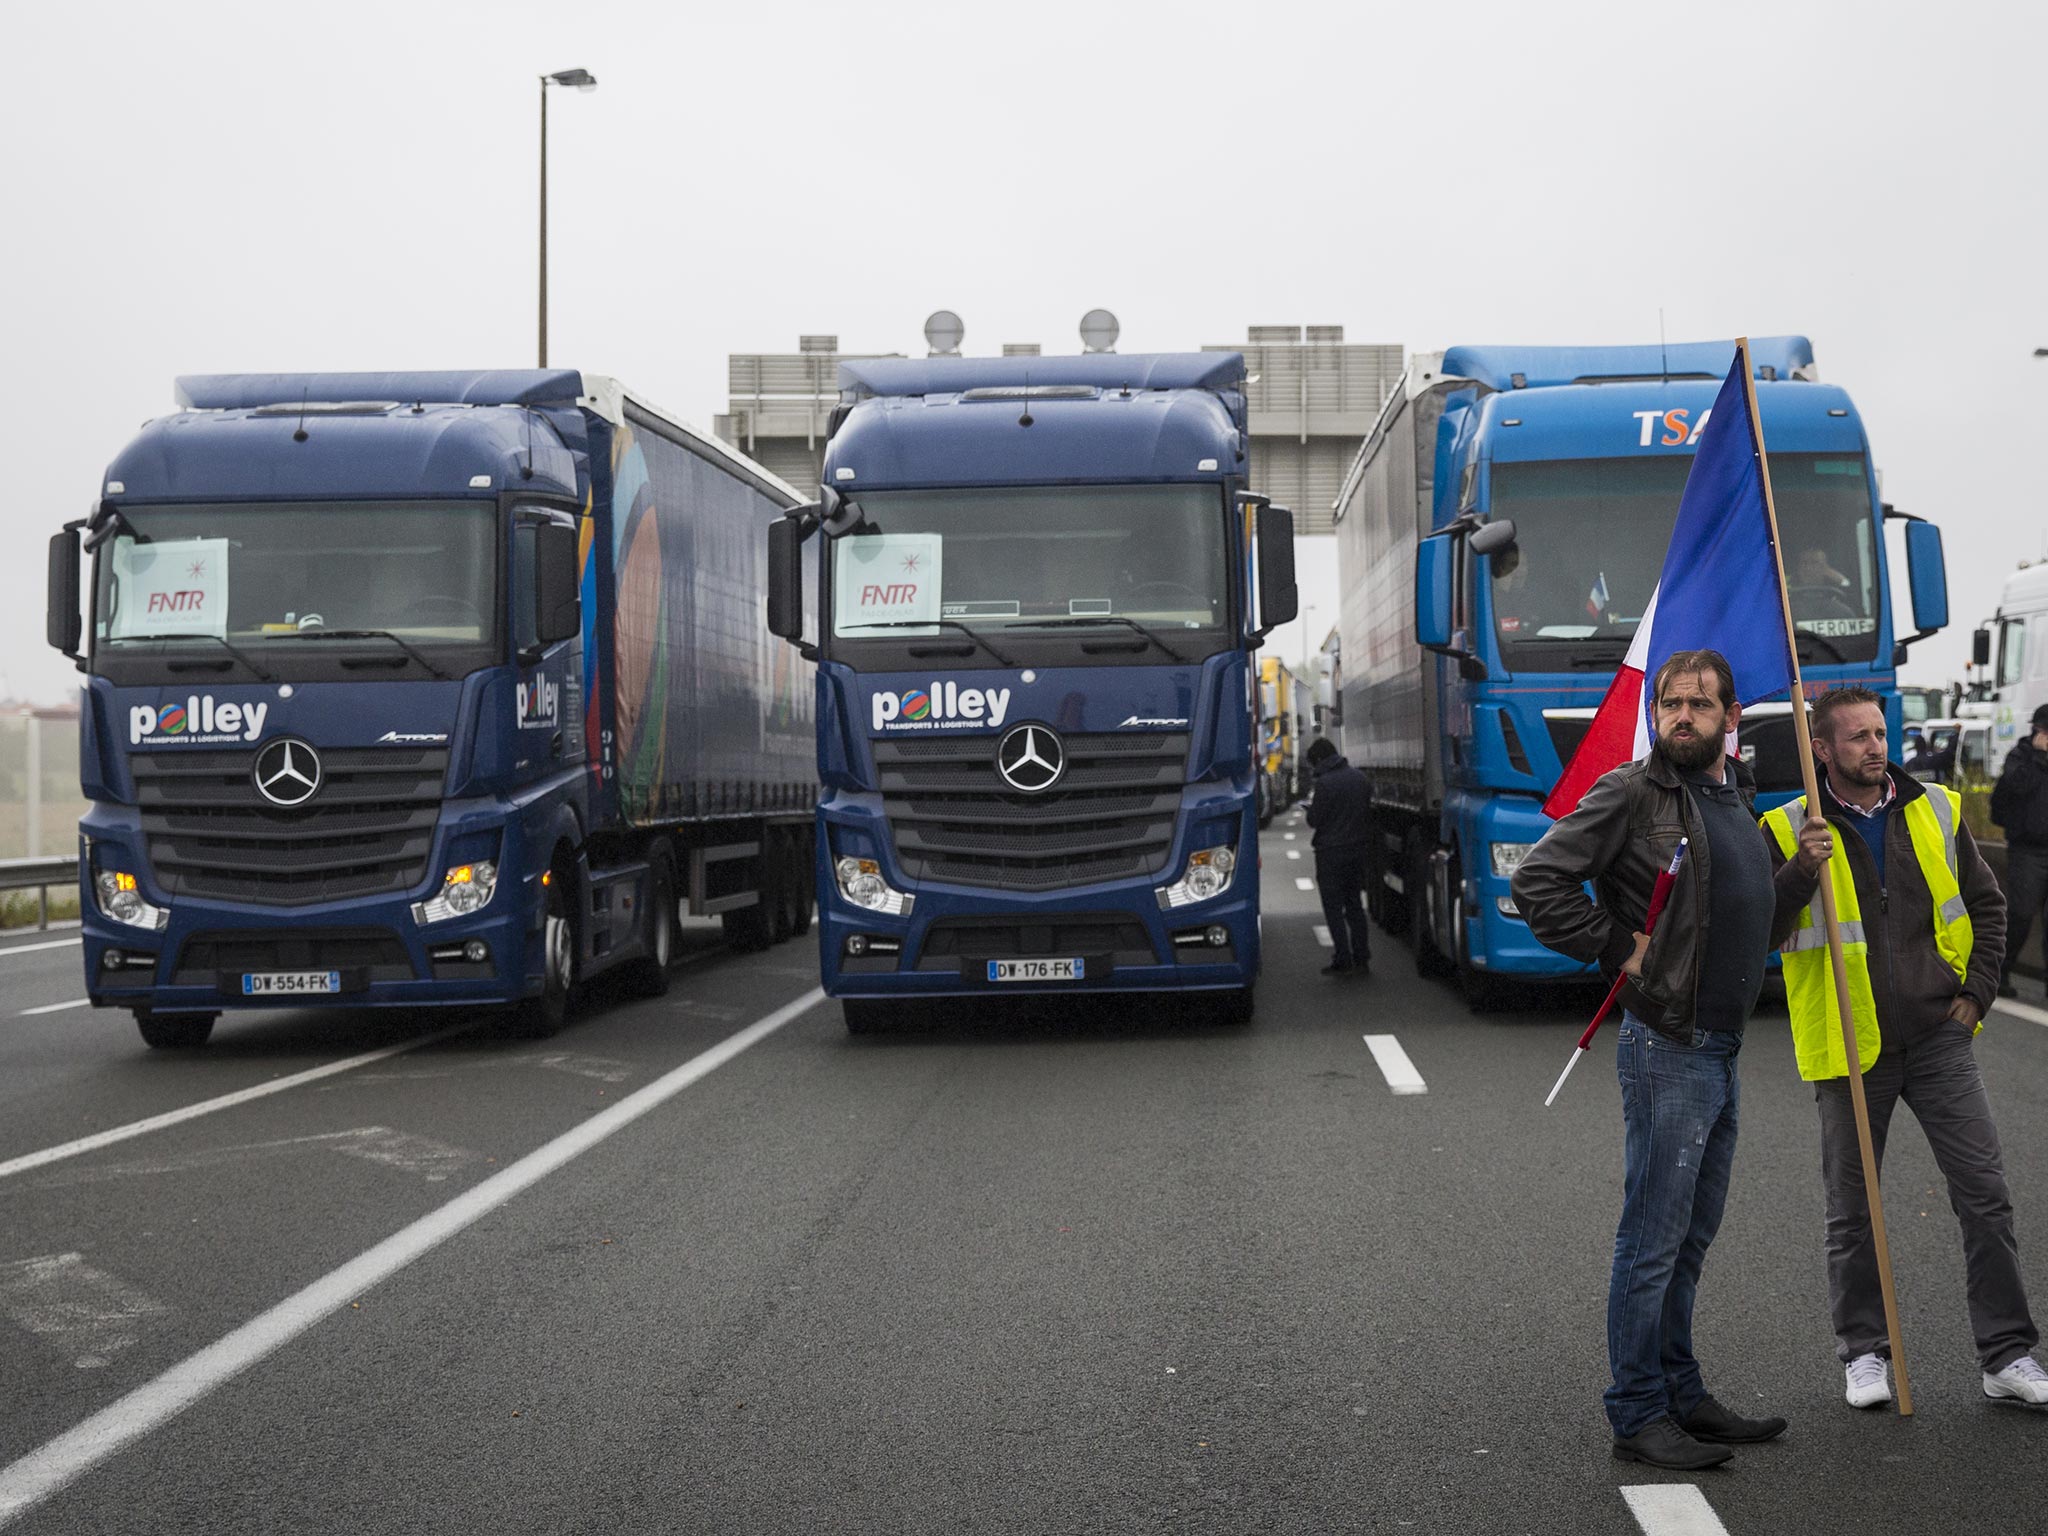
(1303, 883)
(1294, 853)
(1672, 1509)
(76, 1002)
(30, 949)
(1323, 937)
(134, 1128)
(53, 1466)
(2020, 1010)
(1289, 836)
(1394, 1064)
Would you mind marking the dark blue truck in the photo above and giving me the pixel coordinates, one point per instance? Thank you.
(422, 689)
(1039, 581)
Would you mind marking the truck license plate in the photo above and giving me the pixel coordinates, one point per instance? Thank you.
(269, 983)
(1035, 970)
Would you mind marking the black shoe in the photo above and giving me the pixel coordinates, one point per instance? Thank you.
(1663, 1444)
(1717, 1424)
(1337, 968)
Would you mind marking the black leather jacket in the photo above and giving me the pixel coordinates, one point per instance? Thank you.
(1620, 837)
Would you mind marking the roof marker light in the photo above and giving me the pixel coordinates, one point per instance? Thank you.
(115, 487)
(1836, 410)
(842, 474)
(1206, 467)
(479, 482)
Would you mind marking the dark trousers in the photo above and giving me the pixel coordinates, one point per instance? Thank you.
(1939, 1081)
(1340, 881)
(2026, 891)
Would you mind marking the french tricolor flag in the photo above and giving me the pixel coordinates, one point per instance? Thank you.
(1719, 591)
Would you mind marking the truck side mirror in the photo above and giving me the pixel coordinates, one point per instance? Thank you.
(837, 515)
(557, 598)
(1433, 592)
(1980, 648)
(1279, 600)
(62, 623)
(1491, 537)
(786, 574)
(1927, 576)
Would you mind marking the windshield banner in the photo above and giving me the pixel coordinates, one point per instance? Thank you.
(176, 588)
(888, 578)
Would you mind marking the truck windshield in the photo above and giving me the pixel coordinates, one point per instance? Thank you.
(1014, 558)
(1590, 539)
(257, 575)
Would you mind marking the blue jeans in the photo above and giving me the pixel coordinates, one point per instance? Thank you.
(1679, 1104)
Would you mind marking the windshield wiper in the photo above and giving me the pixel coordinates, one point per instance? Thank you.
(971, 634)
(1104, 618)
(367, 634)
(239, 655)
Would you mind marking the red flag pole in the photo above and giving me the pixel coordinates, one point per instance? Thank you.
(1660, 893)
(1804, 736)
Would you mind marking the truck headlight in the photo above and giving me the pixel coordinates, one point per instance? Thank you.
(465, 888)
(1207, 876)
(121, 899)
(1507, 857)
(861, 882)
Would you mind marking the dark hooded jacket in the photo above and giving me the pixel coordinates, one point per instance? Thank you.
(1341, 811)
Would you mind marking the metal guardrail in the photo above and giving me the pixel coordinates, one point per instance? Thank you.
(39, 875)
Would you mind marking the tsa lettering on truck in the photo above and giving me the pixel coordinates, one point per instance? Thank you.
(198, 718)
(943, 706)
(1677, 431)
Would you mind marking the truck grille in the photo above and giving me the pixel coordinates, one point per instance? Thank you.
(1110, 816)
(367, 832)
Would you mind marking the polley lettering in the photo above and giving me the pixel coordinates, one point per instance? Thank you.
(942, 702)
(196, 717)
(540, 703)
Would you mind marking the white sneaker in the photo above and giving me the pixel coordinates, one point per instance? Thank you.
(1869, 1386)
(2023, 1379)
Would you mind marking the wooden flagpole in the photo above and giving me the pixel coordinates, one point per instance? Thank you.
(1804, 736)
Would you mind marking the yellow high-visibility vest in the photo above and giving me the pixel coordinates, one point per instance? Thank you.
(1809, 976)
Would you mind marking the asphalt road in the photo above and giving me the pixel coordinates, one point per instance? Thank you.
(1073, 1267)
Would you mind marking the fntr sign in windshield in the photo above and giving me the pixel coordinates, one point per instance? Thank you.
(887, 579)
(176, 588)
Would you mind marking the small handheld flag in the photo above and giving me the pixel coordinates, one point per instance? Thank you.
(1659, 894)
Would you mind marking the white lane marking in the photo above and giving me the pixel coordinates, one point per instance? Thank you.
(1294, 853)
(76, 1002)
(79, 1311)
(1672, 1509)
(418, 1155)
(107, 1138)
(1323, 937)
(1289, 836)
(59, 1462)
(29, 949)
(2019, 1010)
(1394, 1064)
(1303, 883)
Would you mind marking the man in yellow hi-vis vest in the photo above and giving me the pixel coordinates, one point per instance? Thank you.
(1923, 931)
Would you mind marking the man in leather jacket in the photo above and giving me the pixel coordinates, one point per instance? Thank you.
(1689, 990)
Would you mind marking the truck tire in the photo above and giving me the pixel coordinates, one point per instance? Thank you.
(867, 1015)
(1430, 962)
(536, 1018)
(648, 976)
(174, 1031)
(1390, 911)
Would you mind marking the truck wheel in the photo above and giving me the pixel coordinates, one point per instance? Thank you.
(866, 1015)
(1430, 962)
(1233, 1008)
(648, 976)
(174, 1031)
(1483, 991)
(536, 1018)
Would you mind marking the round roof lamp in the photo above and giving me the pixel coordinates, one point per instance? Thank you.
(1099, 331)
(943, 333)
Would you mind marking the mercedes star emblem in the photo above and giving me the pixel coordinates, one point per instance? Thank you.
(287, 772)
(1031, 758)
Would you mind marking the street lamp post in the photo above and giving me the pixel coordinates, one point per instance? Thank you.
(583, 80)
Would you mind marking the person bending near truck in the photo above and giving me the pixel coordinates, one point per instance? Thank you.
(1687, 994)
(1923, 929)
(1341, 814)
(2019, 804)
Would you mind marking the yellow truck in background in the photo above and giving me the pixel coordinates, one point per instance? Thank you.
(1286, 699)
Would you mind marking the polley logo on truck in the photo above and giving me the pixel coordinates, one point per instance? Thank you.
(941, 707)
(540, 704)
(197, 719)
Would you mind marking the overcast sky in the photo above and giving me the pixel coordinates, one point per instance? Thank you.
(202, 187)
